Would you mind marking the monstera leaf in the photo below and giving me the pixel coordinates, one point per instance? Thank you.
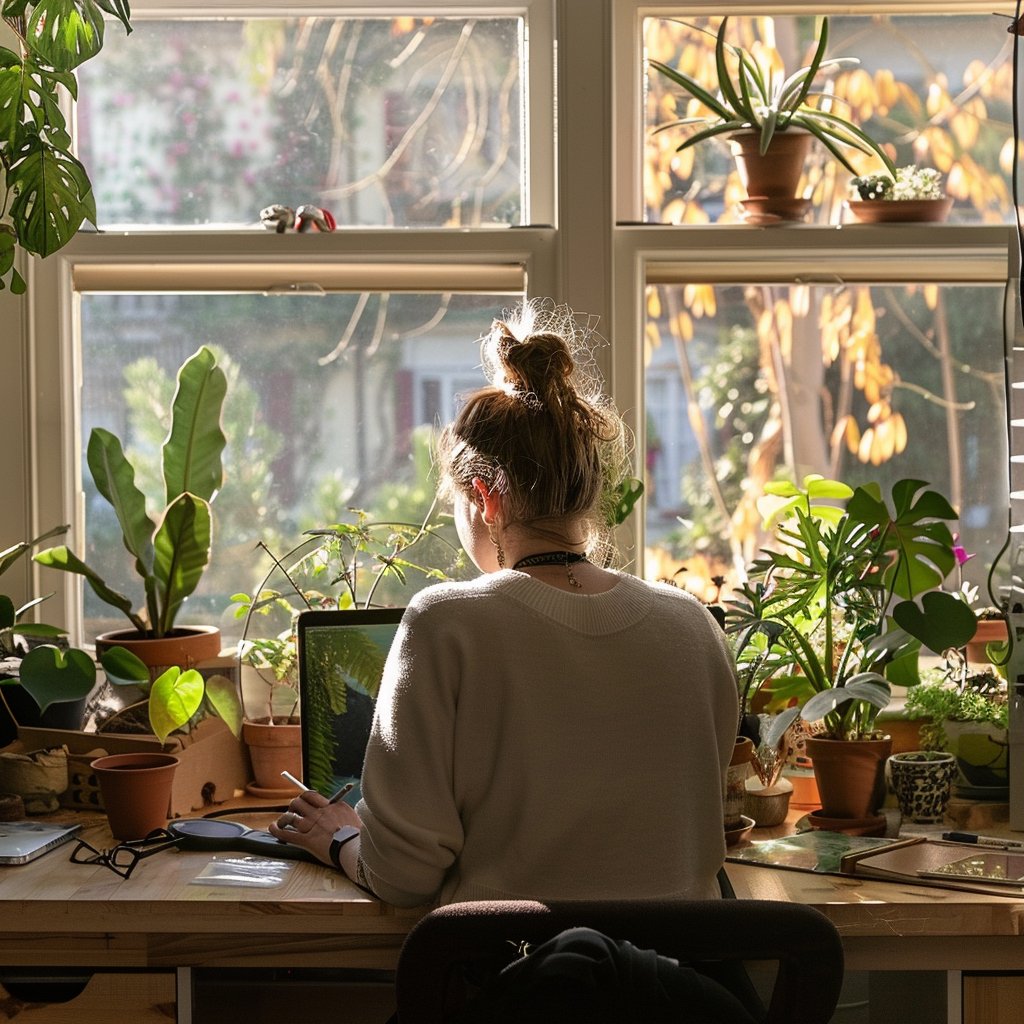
(65, 33)
(54, 196)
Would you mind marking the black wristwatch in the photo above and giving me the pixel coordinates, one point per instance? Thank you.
(341, 837)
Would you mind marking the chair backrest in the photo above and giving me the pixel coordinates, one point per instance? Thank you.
(803, 941)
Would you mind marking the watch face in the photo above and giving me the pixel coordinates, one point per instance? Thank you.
(345, 832)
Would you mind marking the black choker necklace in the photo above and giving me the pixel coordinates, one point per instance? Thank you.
(566, 558)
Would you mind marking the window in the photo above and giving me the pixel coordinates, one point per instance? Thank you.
(472, 214)
(397, 121)
(934, 89)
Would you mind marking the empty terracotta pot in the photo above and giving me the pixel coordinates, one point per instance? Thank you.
(136, 791)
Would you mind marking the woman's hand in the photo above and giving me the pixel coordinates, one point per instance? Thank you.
(311, 821)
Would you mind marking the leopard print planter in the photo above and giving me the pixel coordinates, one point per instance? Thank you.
(922, 781)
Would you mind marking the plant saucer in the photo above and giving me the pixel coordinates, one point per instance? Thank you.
(873, 825)
(737, 835)
(762, 211)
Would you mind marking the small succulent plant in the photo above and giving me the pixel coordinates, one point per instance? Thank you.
(911, 182)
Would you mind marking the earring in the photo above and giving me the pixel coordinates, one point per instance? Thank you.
(498, 548)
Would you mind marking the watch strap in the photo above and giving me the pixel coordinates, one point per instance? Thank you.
(344, 835)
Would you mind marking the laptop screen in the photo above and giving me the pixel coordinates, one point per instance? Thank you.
(341, 660)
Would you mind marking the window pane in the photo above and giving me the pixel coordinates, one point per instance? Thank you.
(745, 384)
(382, 121)
(330, 404)
(935, 90)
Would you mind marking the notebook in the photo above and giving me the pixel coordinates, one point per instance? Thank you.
(22, 841)
(341, 658)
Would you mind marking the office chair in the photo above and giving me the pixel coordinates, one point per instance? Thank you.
(446, 944)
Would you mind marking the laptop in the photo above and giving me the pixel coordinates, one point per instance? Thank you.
(341, 658)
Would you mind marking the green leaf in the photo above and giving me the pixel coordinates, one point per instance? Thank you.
(174, 698)
(120, 9)
(694, 88)
(943, 621)
(778, 726)
(114, 477)
(223, 697)
(63, 559)
(192, 451)
(6, 612)
(38, 629)
(181, 553)
(53, 196)
(51, 676)
(123, 668)
(28, 100)
(64, 33)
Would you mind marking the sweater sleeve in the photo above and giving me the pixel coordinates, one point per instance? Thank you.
(412, 831)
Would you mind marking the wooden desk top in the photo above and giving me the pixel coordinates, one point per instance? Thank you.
(55, 912)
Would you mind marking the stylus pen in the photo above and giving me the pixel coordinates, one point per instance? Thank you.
(970, 837)
(344, 791)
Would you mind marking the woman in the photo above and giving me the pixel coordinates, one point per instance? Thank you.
(552, 729)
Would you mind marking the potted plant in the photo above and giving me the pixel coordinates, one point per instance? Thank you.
(325, 571)
(770, 122)
(913, 194)
(834, 615)
(967, 714)
(40, 684)
(35, 145)
(171, 553)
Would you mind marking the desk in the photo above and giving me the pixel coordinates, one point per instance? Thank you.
(56, 913)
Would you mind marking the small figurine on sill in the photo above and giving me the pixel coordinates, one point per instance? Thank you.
(277, 218)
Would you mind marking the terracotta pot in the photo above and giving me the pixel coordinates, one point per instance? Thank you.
(891, 211)
(136, 791)
(989, 631)
(185, 647)
(777, 173)
(850, 775)
(273, 749)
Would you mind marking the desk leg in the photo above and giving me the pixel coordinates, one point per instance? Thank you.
(954, 997)
(184, 992)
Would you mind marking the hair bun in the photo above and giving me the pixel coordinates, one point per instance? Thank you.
(541, 364)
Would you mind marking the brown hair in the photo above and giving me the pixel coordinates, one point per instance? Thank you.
(542, 434)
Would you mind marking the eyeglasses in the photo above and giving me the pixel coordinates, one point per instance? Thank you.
(122, 858)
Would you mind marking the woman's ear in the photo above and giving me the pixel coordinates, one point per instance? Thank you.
(487, 500)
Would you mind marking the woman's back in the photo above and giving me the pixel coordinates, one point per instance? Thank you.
(575, 752)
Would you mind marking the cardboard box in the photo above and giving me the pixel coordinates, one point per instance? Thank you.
(213, 764)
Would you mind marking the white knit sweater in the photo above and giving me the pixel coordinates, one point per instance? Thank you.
(534, 743)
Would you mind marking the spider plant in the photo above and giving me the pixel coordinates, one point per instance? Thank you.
(760, 98)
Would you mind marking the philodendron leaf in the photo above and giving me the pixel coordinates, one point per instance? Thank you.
(122, 668)
(50, 676)
(181, 553)
(223, 696)
(67, 561)
(173, 700)
(114, 477)
(192, 451)
(943, 621)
